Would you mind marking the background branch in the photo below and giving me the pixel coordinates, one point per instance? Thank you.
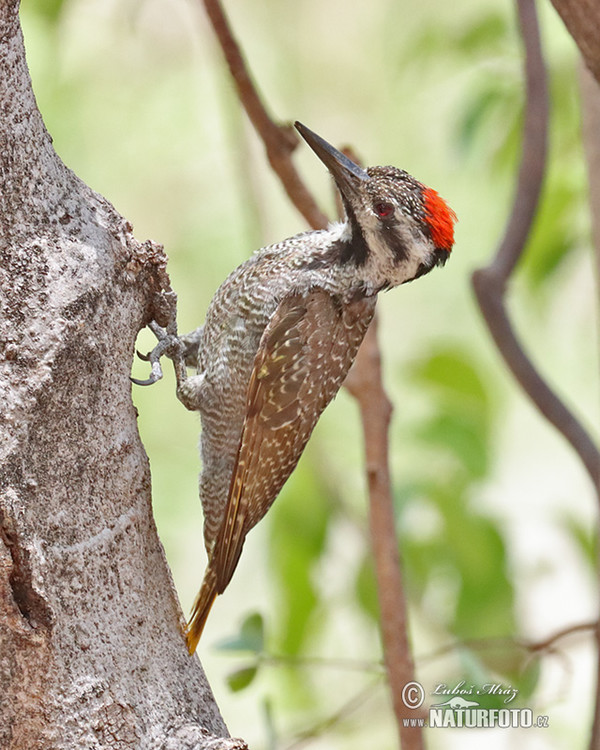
(490, 283)
(590, 102)
(316, 731)
(582, 19)
(365, 384)
(279, 141)
(547, 644)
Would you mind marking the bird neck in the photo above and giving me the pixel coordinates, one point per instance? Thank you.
(347, 243)
(348, 253)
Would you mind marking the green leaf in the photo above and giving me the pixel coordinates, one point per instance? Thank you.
(554, 231)
(462, 435)
(475, 112)
(299, 523)
(453, 376)
(585, 539)
(480, 37)
(461, 416)
(49, 9)
(463, 556)
(528, 677)
(486, 597)
(251, 636)
(241, 678)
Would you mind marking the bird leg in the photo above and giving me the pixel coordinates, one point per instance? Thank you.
(183, 352)
(172, 346)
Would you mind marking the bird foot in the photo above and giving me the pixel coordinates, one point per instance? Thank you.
(169, 344)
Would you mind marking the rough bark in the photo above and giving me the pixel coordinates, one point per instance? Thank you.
(91, 649)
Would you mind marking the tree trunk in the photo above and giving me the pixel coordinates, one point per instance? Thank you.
(92, 653)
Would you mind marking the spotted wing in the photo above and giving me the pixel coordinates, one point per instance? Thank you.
(303, 357)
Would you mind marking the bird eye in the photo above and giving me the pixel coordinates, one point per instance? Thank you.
(383, 210)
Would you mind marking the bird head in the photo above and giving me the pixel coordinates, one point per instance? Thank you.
(395, 225)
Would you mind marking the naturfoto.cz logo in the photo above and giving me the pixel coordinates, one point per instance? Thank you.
(460, 708)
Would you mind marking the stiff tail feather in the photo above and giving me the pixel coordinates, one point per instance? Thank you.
(204, 601)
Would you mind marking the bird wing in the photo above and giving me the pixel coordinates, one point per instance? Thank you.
(303, 358)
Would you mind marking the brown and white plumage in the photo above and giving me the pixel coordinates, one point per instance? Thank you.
(280, 336)
(303, 357)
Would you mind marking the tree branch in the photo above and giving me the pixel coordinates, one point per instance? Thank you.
(549, 643)
(590, 104)
(279, 141)
(490, 283)
(316, 731)
(582, 19)
(364, 383)
(534, 647)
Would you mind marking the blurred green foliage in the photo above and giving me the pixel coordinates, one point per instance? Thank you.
(296, 544)
(136, 97)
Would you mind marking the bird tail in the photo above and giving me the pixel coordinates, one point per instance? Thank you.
(204, 601)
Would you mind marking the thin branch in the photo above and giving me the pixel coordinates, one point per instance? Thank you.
(590, 105)
(547, 644)
(478, 644)
(365, 384)
(309, 662)
(534, 150)
(356, 702)
(279, 141)
(534, 647)
(582, 19)
(490, 283)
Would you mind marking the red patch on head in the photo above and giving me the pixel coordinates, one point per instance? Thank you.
(440, 218)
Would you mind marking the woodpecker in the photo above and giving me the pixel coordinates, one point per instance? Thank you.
(279, 337)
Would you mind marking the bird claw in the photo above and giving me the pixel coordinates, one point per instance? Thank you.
(168, 344)
(155, 375)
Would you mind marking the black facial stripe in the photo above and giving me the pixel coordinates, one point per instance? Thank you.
(398, 247)
(355, 249)
(394, 241)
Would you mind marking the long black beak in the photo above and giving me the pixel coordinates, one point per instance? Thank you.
(346, 173)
